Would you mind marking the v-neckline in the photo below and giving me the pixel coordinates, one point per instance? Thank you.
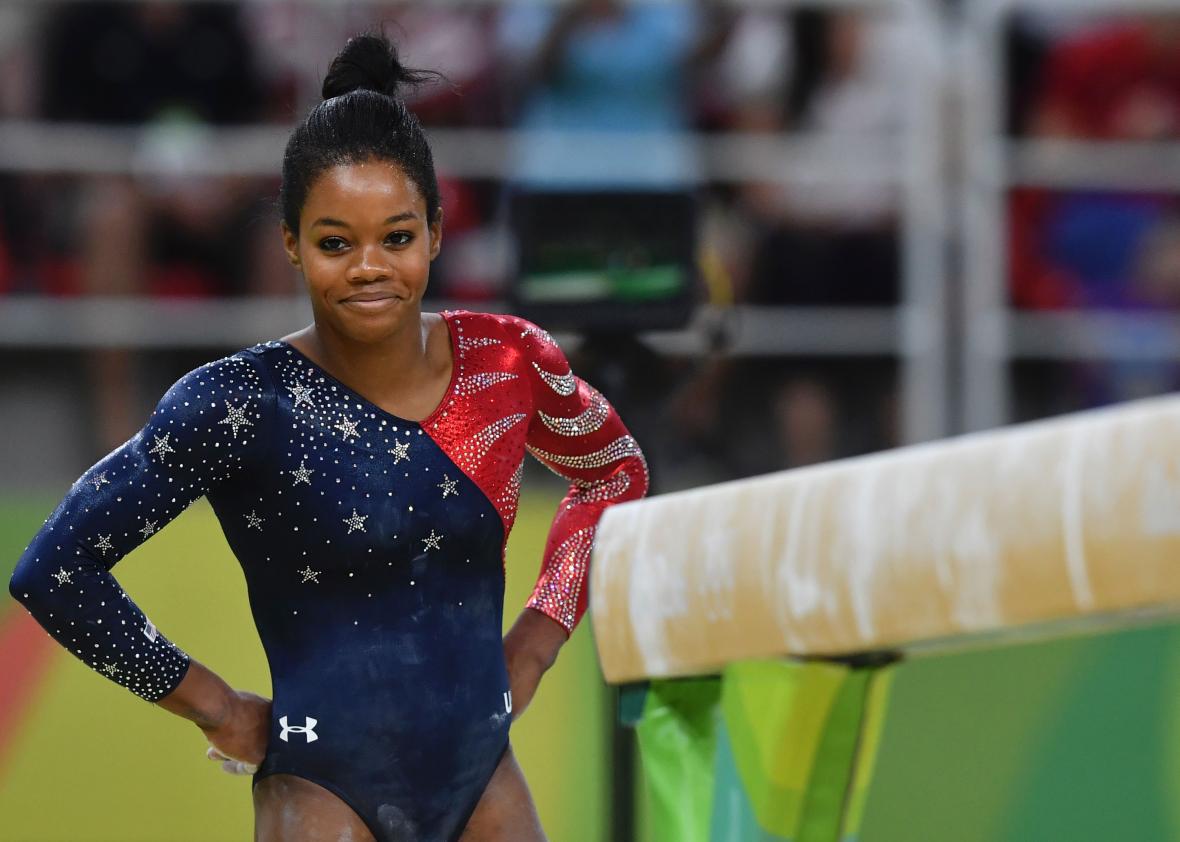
(454, 340)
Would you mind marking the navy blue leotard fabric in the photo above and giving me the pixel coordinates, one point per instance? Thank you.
(374, 573)
(372, 549)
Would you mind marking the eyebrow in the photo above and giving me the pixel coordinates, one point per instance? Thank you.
(397, 217)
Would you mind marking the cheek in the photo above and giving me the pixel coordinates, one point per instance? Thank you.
(319, 272)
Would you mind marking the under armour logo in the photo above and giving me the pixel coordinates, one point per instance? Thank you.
(298, 729)
(508, 702)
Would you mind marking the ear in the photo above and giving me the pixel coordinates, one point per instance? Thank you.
(290, 244)
(436, 234)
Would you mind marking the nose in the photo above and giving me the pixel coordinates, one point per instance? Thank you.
(369, 266)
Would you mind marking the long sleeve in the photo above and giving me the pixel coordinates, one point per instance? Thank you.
(577, 434)
(210, 426)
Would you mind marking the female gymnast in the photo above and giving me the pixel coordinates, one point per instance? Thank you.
(366, 471)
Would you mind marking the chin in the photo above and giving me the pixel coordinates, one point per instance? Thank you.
(376, 327)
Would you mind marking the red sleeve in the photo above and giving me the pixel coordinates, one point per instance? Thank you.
(578, 435)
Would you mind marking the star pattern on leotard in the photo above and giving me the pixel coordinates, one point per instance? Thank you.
(347, 428)
(302, 473)
(302, 394)
(161, 445)
(400, 451)
(309, 575)
(364, 458)
(356, 522)
(236, 417)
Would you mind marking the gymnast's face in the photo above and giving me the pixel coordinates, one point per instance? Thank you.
(364, 247)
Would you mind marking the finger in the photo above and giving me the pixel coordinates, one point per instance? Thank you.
(239, 767)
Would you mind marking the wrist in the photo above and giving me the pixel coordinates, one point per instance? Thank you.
(202, 698)
(535, 639)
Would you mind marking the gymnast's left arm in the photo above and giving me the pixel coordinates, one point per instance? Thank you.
(577, 434)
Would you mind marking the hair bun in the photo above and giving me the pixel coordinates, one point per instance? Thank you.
(368, 62)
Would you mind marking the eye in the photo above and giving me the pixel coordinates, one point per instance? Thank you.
(399, 238)
(331, 244)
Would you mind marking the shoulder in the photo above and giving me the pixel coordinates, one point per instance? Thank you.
(231, 395)
(242, 374)
(531, 342)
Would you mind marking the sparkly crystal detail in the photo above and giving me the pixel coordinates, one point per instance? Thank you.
(600, 492)
(302, 394)
(468, 343)
(400, 451)
(473, 383)
(512, 488)
(482, 441)
(563, 384)
(561, 584)
(236, 417)
(620, 448)
(103, 544)
(539, 333)
(586, 422)
(355, 522)
(347, 428)
(302, 473)
(161, 445)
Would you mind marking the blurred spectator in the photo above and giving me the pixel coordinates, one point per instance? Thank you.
(1120, 82)
(618, 72)
(603, 104)
(1104, 249)
(831, 243)
(172, 69)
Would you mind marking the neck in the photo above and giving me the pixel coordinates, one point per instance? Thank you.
(374, 368)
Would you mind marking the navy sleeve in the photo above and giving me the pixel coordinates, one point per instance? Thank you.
(209, 427)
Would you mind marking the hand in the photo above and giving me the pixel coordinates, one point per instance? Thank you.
(239, 740)
(530, 648)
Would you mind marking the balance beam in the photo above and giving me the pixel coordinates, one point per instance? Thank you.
(1034, 529)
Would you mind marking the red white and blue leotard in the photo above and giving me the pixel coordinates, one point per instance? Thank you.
(372, 549)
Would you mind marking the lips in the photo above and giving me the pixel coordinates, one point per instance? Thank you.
(364, 297)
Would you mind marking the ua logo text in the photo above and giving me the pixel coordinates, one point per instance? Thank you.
(306, 729)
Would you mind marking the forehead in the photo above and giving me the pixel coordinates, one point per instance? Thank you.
(382, 187)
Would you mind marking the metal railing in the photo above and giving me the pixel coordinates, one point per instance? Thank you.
(915, 331)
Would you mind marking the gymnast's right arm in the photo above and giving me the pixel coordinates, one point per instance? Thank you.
(209, 427)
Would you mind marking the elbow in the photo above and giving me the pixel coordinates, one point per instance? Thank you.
(28, 585)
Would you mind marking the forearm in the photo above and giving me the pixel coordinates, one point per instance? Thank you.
(530, 649)
(535, 637)
(235, 722)
(202, 697)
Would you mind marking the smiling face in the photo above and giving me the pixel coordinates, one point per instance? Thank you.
(364, 246)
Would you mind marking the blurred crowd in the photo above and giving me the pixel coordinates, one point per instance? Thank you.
(652, 74)
(1096, 80)
(649, 71)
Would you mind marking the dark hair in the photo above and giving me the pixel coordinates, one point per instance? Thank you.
(360, 119)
